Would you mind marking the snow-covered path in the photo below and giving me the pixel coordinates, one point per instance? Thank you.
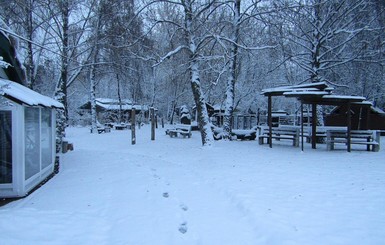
(172, 191)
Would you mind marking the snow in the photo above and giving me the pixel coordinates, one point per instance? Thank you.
(296, 93)
(174, 191)
(301, 87)
(112, 104)
(26, 95)
(344, 97)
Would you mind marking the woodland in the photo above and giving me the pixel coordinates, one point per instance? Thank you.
(173, 53)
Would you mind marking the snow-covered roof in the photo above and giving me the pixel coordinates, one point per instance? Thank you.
(23, 95)
(308, 87)
(377, 110)
(114, 105)
(112, 101)
(318, 93)
(344, 97)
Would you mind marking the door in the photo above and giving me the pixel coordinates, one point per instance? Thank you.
(5, 147)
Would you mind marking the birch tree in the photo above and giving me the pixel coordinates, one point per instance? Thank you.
(232, 68)
(195, 36)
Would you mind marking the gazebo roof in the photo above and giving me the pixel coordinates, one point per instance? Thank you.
(23, 95)
(314, 93)
(303, 88)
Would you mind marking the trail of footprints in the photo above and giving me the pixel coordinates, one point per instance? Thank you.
(183, 226)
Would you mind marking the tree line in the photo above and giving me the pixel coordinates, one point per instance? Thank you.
(167, 53)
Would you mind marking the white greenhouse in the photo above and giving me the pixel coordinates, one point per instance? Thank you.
(27, 138)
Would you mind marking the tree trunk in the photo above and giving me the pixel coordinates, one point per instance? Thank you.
(94, 125)
(230, 89)
(61, 89)
(30, 66)
(120, 100)
(200, 102)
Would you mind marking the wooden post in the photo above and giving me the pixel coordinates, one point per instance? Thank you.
(314, 126)
(133, 136)
(156, 121)
(349, 124)
(302, 125)
(258, 116)
(152, 112)
(162, 120)
(270, 121)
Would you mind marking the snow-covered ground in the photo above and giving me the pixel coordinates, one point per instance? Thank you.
(173, 191)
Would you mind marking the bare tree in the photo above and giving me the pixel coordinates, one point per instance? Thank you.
(321, 33)
(196, 35)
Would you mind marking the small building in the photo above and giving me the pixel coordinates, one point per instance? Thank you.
(27, 137)
(112, 110)
(362, 118)
(27, 128)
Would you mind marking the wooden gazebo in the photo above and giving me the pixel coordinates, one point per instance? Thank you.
(315, 94)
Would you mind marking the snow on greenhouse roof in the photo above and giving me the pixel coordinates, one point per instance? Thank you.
(23, 95)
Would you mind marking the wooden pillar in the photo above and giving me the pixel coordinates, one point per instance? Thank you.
(367, 126)
(133, 136)
(269, 119)
(302, 125)
(153, 124)
(349, 124)
(258, 116)
(314, 126)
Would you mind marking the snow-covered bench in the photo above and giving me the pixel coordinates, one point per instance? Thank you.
(370, 138)
(279, 133)
(181, 129)
(103, 129)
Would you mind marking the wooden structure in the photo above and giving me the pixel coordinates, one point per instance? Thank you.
(363, 118)
(279, 134)
(110, 110)
(180, 129)
(370, 138)
(315, 94)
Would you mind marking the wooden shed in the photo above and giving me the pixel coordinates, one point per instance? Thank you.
(112, 110)
(27, 138)
(363, 118)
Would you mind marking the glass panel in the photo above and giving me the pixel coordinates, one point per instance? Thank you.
(5, 147)
(46, 137)
(32, 142)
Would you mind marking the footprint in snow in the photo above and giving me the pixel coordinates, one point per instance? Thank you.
(165, 194)
(183, 228)
(183, 207)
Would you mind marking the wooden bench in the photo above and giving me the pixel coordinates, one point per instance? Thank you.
(180, 129)
(320, 133)
(244, 134)
(101, 129)
(370, 138)
(278, 133)
(122, 126)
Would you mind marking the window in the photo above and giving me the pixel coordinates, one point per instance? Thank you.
(5, 147)
(46, 137)
(32, 142)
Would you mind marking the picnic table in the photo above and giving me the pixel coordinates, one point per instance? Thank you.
(370, 138)
(279, 133)
(122, 126)
(180, 129)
